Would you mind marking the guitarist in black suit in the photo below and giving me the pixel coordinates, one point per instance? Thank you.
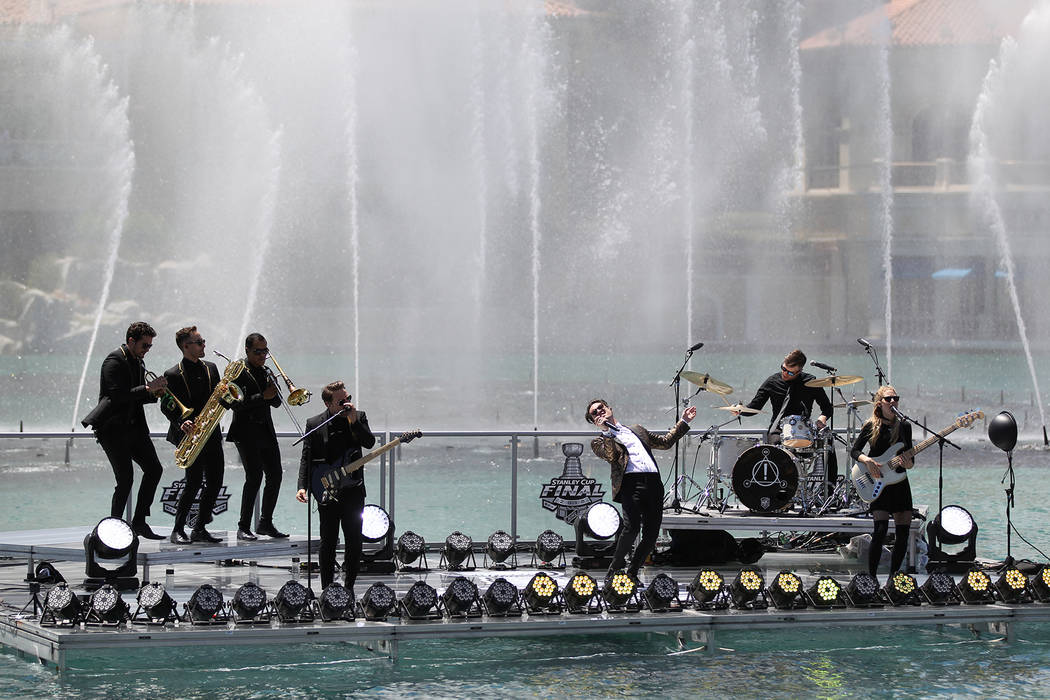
(120, 426)
(337, 444)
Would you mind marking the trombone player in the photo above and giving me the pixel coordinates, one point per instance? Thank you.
(253, 433)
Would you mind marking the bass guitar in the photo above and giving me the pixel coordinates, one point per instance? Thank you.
(329, 478)
(892, 460)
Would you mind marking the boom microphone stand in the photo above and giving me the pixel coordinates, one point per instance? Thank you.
(941, 440)
(874, 355)
(676, 383)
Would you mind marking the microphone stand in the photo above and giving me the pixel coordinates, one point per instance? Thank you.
(874, 355)
(676, 383)
(1009, 561)
(941, 440)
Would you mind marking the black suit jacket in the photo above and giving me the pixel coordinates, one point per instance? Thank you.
(177, 385)
(252, 421)
(122, 388)
(315, 447)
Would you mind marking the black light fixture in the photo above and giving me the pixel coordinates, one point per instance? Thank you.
(155, 604)
(47, 574)
(1002, 431)
(901, 589)
(61, 606)
(107, 607)
(499, 548)
(662, 594)
(786, 591)
(292, 602)
(541, 594)
(826, 592)
(940, 589)
(746, 590)
(596, 532)
(336, 603)
(975, 588)
(502, 598)
(249, 603)
(581, 593)
(708, 589)
(411, 547)
(863, 591)
(620, 591)
(112, 539)
(205, 605)
(461, 597)
(952, 537)
(378, 601)
(549, 548)
(457, 552)
(376, 526)
(1012, 586)
(418, 603)
(1041, 584)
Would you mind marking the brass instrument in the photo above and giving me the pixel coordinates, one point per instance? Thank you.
(296, 397)
(171, 402)
(225, 393)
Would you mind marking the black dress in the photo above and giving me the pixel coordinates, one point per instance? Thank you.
(895, 498)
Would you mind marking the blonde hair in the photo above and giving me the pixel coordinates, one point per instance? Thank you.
(876, 419)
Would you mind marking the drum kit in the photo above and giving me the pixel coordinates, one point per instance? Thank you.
(786, 472)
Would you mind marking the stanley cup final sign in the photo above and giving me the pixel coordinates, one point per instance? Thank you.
(571, 494)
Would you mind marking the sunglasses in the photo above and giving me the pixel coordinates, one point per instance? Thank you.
(195, 342)
(595, 412)
(787, 371)
(892, 398)
(261, 351)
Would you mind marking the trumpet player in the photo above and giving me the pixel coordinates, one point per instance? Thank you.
(253, 433)
(192, 381)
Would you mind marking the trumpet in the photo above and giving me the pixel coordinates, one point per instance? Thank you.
(171, 402)
(296, 397)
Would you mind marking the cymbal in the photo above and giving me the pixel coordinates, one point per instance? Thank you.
(835, 380)
(740, 408)
(706, 382)
(854, 402)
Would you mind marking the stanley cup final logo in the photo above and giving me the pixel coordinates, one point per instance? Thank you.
(571, 494)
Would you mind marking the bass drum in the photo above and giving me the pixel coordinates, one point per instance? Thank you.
(765, 478)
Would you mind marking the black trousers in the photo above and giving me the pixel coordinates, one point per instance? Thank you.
(345, 513)
(122, 448)
(259, 458)
(642, 499)
(208, 468)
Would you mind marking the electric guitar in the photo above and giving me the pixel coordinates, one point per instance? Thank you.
(329, 478)
(893, 470)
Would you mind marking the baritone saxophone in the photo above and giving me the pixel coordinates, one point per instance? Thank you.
(224, 394)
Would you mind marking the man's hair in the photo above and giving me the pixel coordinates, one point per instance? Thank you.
(138, 329)
(252, 339)
(587, 411)
(329, 390)
(795, 357)
(182, 334)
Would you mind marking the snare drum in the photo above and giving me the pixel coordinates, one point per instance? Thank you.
(726, 450)
(796, 432)
(765, 478)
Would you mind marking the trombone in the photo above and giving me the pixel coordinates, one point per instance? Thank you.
(170, 400)
(296, 397)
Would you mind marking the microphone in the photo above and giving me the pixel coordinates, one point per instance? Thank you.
(824, 366)
(864, 343)
(897, 412)
(696, 347)
(612, 427)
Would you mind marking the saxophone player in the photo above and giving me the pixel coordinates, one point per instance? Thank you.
(192, 381)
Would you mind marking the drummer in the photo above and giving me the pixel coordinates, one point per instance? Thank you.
(788, 394)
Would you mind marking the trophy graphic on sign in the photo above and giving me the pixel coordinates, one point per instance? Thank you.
(571, 494)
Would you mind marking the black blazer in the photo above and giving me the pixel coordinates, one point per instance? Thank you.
(252, 421)
(314, 447)
(177, 385)
(122, 393)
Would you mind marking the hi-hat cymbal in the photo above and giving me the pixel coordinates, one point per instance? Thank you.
(854, 402)
(740, 408)
(707, 383)
(835, 380)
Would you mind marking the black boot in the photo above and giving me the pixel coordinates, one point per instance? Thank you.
(199, 534)
(178, 535)
(266, 528)
(145, 531)
(245, 534)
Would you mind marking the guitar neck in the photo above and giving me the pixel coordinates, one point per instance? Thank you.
(362, 461)
(929, 441)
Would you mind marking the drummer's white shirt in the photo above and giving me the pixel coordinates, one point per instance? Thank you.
(638, 459)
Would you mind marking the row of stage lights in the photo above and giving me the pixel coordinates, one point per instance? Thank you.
(708, 590)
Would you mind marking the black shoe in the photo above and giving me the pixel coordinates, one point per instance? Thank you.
(269, 530)
(199, 534)
(246, 535)
(178, 536)
(145, 531)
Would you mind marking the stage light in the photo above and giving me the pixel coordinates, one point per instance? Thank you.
(460, 596)
(706, 587)
(291, 600)
(549, 546)
(457, 550)
(952, 527)
(541, 593)
(1012, 586)
(336, 603)
(420, 600)
(205, 604)
(939, 589)
(1002, 431)
(901, 589)
(619, 589)
(375, 523)
(601, 522)
(863, 591)
(786, 591)
(376, 526)
(1041, 584)
(155, 602)
(580, 592)
(46, 573)
(501, 597)
(249, 602)
(826, 592)
(378, 601)
(61, 604)
(746, 588)
(111, 539)
(107, 606)
(410, 547)
(662, 593)
(976, 587)
(499, 547)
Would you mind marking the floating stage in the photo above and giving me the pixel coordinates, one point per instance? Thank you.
(692, 604)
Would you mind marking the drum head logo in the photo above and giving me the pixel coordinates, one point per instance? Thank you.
(170, 500)
(571, 494)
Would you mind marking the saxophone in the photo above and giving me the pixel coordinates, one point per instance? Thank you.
(224, 394)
